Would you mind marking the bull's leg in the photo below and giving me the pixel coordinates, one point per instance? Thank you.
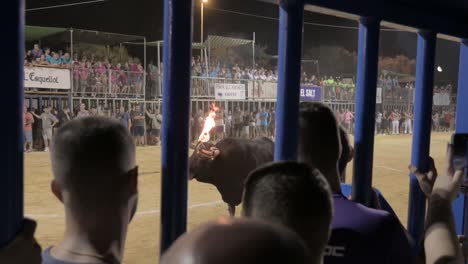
(232, 210)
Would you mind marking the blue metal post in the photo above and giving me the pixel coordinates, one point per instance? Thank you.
(462, 111)
(366, 92)
(176, 103)
(11, 177)
(289, 73)
(422, 130)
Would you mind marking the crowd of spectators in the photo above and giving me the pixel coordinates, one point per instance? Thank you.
(91, 75)
(143, 124)
(293, 212)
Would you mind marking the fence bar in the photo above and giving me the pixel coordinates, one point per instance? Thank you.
(462, 113)
(176, 103)
(422, 130)
(289, 73)
(11, 179)
(368, 52)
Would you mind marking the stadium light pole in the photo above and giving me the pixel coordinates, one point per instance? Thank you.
(203, 2)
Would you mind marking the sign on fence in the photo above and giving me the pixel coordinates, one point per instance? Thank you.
(379, 95)
(311, 93)
(441, 99)
(229, 91)
(50, 78)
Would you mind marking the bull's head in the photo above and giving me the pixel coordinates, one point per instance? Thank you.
(201, 161)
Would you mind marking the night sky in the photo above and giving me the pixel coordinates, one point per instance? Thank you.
(145, 17)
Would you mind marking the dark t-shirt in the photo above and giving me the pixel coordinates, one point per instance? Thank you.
(137, 122)
(123, 118)
(364, 235)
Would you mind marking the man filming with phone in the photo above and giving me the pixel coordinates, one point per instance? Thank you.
(440, 239)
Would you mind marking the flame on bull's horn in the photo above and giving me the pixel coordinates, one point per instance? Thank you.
(209, 124)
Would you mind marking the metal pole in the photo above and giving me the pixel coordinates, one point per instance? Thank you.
(11, 182)
(289, 71)
(368, 51)
(159, 69)
(201, 27)
(176, 103)
(462, 113)
(70, 94)
(422, 131)
(253, 51)
(144, 68)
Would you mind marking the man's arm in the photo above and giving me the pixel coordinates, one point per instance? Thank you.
(34, 114)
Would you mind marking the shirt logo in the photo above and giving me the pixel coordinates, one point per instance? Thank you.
(334, 251)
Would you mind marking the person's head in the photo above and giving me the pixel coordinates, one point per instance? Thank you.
(82, 107)
(347, 151)
(122, 109)
(66, 109)
(294, 195)
(66, 56)
(47, 109)
(319, 141)
(231, 241)
(47, 51)
(96, 192)
(36, 46)
(156, 111)
(93, 110)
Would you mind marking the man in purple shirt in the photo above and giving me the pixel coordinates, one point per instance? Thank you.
(359, 234)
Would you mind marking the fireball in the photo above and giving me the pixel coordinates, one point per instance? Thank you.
(209, 124)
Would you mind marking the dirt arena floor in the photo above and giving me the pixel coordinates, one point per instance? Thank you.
(391, 157)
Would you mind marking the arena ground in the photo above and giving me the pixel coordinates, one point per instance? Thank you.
(392, 155)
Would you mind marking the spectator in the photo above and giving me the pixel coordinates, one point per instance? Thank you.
(63, 116)
(156, 123)
(272, 123)
(138, 123)
(48, 57)
(347, 154)
(24, 248)
(263, 116)
(48, 122)
(238, 122)
(359, 234)
(293, 195)
(55, 60)
(36, 52)
(348, 119)
(378, 122)
(28, 121)
(100, 195)
(440, 243)
(66, 59)
(83, 112)
(243, 241)
(124, 118)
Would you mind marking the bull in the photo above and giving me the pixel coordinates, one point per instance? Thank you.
(227, 164)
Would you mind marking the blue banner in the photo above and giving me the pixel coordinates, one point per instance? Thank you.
(311, 93)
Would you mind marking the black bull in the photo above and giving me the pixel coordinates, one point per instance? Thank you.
(228, 163)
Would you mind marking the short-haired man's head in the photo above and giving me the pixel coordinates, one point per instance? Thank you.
(242, 241)
(92, 159)
(319, 141)
(292, 194)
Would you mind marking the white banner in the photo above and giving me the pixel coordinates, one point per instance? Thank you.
(50, 78)
(229, 91)
(441, 99)
(379, 95)
(262, 89)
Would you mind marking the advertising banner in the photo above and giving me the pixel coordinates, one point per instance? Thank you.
(50, 78)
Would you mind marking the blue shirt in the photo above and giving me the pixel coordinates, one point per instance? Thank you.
(364, 235)
(55, 61)
(65, 61)
(124, 118)
(263, 118)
